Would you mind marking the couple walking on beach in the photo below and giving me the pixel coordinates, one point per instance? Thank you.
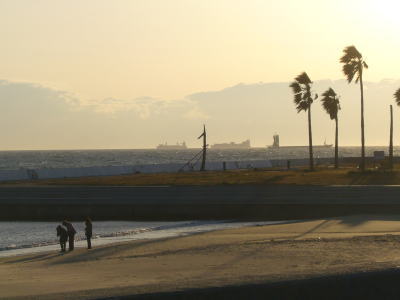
(67, 233)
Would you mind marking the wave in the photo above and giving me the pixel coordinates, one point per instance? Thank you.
(129, 232)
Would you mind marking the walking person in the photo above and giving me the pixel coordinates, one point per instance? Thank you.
(88, 232)
(71, 234)
(62, 233)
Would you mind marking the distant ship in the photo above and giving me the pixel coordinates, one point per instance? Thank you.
(276, 145)
(232, 145)
(172, 147)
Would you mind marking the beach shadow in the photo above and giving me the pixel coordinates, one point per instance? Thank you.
(105, 251)
(187, 250)
(355, 220)
(312, 229)
(39, 257)
(370, 285)
(381, 284)
(240, 258)
(113, 249)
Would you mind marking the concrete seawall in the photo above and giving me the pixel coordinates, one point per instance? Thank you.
(200, 202)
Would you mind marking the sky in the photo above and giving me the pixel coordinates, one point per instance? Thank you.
(134, 65)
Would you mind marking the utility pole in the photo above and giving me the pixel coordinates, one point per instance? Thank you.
(204, 135)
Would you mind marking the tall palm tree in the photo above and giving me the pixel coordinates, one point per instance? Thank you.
(397, 100)
(391, 138)
(353, 66)
(330, 102)
(303, 98)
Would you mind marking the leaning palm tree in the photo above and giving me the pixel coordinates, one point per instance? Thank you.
(303, 98)
(330, 102)
(353, 66)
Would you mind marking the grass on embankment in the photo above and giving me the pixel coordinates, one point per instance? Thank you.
(322, 176)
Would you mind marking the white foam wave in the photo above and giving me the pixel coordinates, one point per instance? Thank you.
(165, 231)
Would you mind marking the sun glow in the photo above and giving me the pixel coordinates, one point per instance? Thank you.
(384, 12)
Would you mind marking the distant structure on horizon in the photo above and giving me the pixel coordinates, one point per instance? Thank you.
(276, 145)
(172, 147)
(276, 141)
(232, 145)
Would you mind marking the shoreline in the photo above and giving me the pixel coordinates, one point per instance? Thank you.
(163, 232)
(234, 262)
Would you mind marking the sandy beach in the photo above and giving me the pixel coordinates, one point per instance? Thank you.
(233, 257)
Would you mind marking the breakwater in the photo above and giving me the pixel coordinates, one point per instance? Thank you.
(53, 173)
(49, 173)
(195, 202)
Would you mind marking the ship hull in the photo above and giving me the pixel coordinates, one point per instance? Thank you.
(229, 148)
(232, 146)
(171, 148)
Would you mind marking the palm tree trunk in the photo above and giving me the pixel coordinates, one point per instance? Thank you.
(362, 165)
(310, 147)
(336, 144)
(391, 139)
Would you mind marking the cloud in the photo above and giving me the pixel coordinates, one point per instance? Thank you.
(143, 107)
(148, 107)
(36, 117)
(196, 114)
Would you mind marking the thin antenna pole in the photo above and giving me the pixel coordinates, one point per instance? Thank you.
(203, 162)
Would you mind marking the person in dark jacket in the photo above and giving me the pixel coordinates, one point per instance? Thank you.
(88, 232)
(62, 233)
(71, 234)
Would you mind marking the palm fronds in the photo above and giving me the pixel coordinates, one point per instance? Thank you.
(353, 63)
(330, 103)
(301, 88)
(397, 97)
(303, 79)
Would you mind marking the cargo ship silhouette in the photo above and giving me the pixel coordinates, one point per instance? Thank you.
(177, 146)
(232, 145)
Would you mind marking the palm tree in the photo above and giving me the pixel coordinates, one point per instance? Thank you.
(391, 139)
(397, 97)
(353, 66)
(303, 98)
(330, 102)
(397, 100)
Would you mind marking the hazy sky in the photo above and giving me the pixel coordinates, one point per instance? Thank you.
(97, 50)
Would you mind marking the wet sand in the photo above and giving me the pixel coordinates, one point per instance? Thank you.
(231, 261)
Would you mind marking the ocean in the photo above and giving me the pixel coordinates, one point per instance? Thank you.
(14, 235)
(26, 237)
(13, 160)
(17, 238)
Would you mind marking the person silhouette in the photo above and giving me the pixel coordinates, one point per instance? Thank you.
(88, 232)
(62, 233)
(71, 234)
